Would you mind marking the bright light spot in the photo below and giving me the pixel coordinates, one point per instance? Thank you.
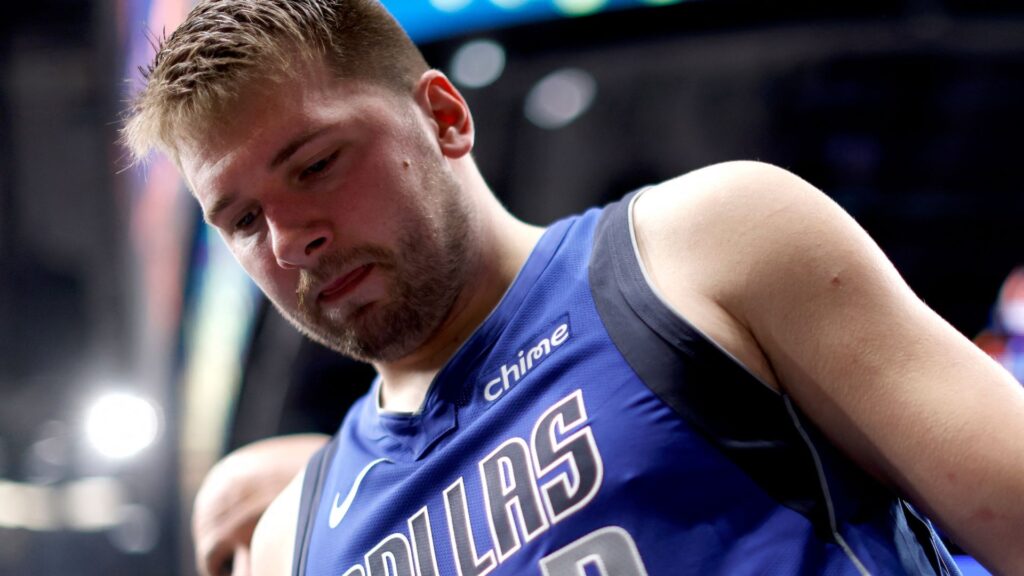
(93, 504)
(450, 5)
(121, 425)
(28, 506)
(479, 63)
(87, 505)
(10, 505)
(25, 506)
(508, 4)
(579, 7)
(560, 98)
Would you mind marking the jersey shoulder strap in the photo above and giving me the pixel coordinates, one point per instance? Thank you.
(312, 488)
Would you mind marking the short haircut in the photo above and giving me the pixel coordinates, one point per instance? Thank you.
(224, 46)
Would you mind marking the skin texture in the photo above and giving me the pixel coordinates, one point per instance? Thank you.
(234, 495)
(753, 256)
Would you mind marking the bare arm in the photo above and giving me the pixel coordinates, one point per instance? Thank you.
(790, 284)
(274, 539)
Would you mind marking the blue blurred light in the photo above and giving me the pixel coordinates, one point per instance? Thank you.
(449, 5)
(509, 4)
(430, 20)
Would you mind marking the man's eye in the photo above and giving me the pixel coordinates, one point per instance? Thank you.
(317, 167)
(246, 221)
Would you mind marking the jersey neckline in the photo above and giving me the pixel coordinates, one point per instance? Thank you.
(410, 435)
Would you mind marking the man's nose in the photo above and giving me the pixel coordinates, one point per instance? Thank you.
(299, 244)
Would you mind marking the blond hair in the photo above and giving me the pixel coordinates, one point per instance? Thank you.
(202, 69)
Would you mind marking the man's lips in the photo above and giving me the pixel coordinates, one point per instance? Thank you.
(345, 284)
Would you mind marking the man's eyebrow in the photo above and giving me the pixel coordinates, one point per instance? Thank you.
(282, 155)
(217, 207)
(290, 148)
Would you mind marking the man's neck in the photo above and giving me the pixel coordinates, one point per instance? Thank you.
(503, 245)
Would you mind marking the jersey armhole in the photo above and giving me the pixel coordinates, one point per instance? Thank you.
(756, 427)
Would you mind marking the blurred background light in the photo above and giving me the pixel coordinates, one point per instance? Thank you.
(121, 425)
(1011, 301)
(86, 505)
(48, 458)
(28, 506)
(478, 63)
(450, 5)
(579, 7)
(93, 504)
(560, 97)
(10, 505)
(509, 4)
(137, 532)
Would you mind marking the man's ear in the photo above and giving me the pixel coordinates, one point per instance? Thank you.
(447, 112)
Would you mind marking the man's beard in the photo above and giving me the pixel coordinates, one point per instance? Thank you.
(426, 274)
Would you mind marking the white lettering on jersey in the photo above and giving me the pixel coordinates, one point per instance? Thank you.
(527, 487)
(513, 372)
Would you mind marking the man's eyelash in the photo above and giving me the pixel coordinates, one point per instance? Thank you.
(318, 166)
(247, 220)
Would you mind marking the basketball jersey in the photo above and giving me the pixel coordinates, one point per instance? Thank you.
(585, 429)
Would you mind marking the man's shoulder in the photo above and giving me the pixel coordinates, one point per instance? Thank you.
(711, 239)
(738, 183)
(732, 210)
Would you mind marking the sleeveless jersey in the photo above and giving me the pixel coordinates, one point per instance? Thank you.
(585, 429)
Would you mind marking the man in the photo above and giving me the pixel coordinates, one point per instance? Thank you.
(719, 375)
(236, 492)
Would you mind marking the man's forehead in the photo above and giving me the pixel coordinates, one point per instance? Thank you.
(251, 133)
(209, 141)
(213, 160)
(200, 170)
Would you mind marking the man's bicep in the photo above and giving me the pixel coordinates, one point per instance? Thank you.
(273, 541)
(886, 379)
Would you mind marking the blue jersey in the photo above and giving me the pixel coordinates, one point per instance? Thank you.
(585, 429)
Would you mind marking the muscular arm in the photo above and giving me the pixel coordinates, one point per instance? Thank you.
(274, 539)
(792, 286)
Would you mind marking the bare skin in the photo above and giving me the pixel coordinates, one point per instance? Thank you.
(234, 495)
(756, 258)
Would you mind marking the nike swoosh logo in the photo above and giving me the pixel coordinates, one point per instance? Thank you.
(338, 512)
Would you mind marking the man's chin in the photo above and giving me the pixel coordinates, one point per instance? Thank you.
(360, 340)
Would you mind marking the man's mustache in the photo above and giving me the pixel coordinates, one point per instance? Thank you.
(331, 264)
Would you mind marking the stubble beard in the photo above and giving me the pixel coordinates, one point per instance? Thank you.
(427, 273)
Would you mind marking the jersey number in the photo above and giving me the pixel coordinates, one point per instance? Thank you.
(611, 551)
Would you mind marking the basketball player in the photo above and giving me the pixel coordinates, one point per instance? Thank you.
(720, 374)
(236, 492)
